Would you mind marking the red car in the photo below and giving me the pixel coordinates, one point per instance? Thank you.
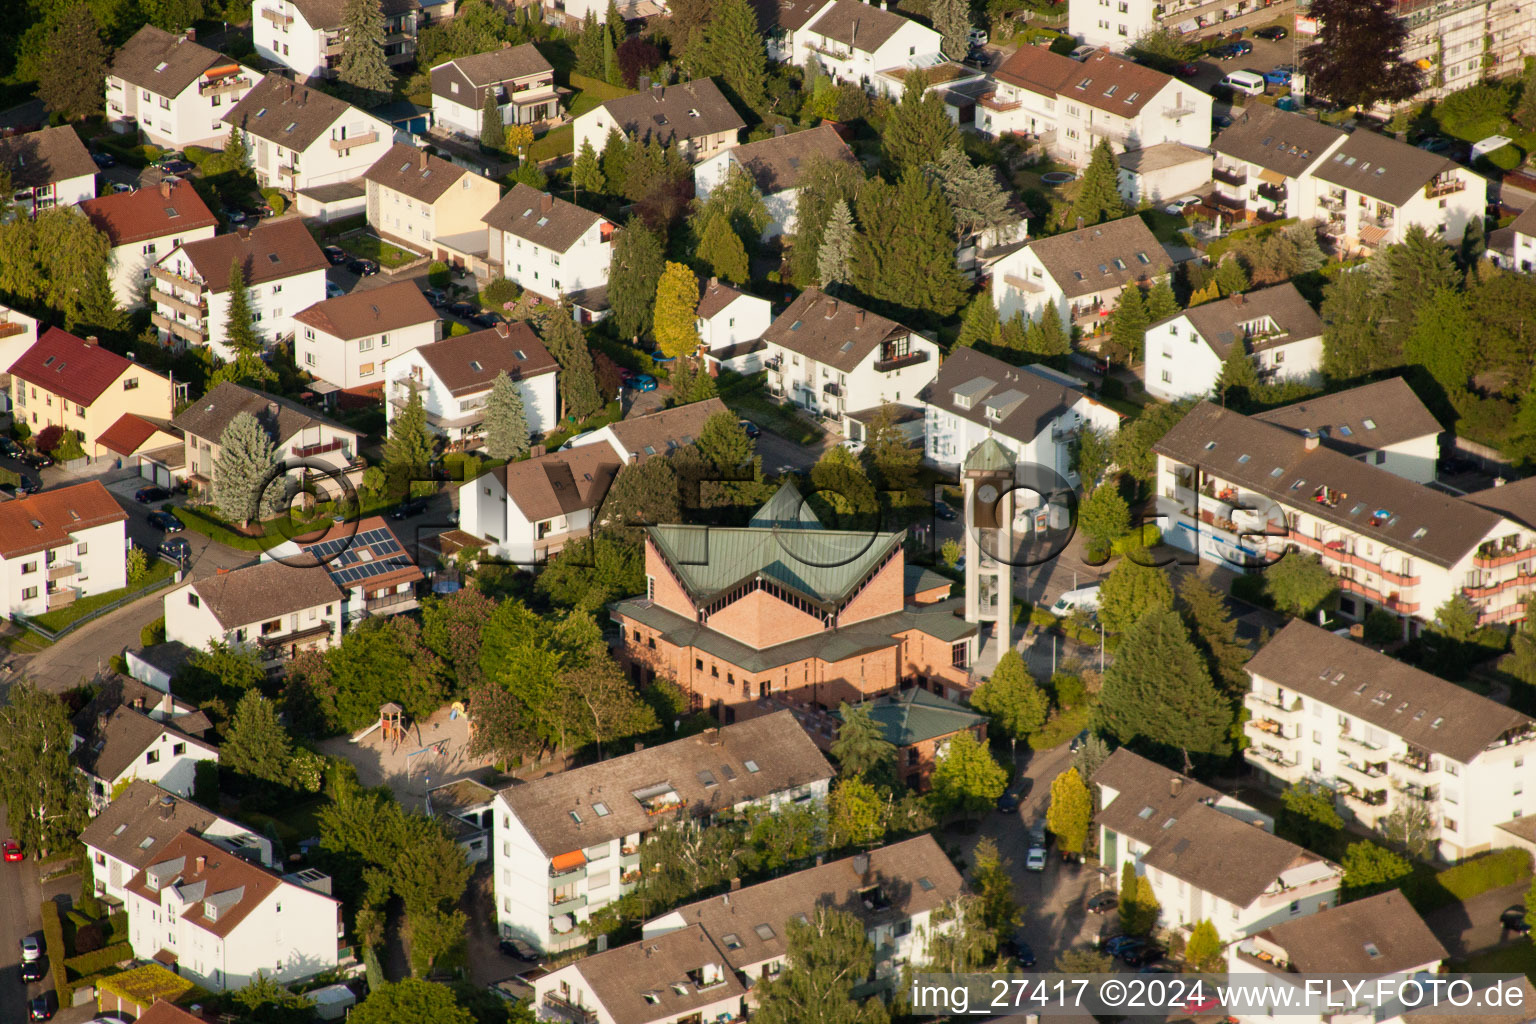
(12, 851)
(1201, 1004)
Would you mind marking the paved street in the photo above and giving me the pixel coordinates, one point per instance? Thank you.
(20, 897)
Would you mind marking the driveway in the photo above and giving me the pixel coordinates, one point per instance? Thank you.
(780, 453)
(1464, 928)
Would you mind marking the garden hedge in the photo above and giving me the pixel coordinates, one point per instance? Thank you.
(100, 960)
(53, 943)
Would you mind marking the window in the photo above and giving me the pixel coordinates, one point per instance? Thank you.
(365, 370)
(152, 757)
(309, 359)
(27, 567)
(28, 593)
(194, 600)
(960, 654)
(148, 249)
(130, 384)
(1167, 377)
(366, 345)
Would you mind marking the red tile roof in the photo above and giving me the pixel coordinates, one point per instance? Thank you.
(47, 520)
(147, 213)
(236, 886)
(69, 366)
(168, 1013)
(128, 433)
(373, 311)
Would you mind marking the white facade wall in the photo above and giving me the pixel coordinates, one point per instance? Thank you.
(284, 37)
(1162, 186)
(1111, 23)
(128, 266)
(98, 552)
(272, 303)
(170, 763)
(190, 118)
(781, 205)
(322, 163)
(1524, 253)
(456, 116)
(948, 438)
(802, 380)
(188, 620)
(544, 271)
(485, 512)
(1010, 297)
(361, 361)
(1181, 365)
(68, 192)
(861, 67)
(1444, 216)
(541, 399)
(745, 319)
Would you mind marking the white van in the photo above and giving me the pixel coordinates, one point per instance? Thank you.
(1086, 598)
(1246, 82)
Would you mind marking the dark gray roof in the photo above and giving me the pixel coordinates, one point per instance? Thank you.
(1280, 141)
(210, 415)
(657, 433)
(668, 112)
(163, 63)
(288, 114)
(1221, 323)
(782, 757)
(776, 163)
(831, 331)
(415, 173)
(1383, 168)
(127, 734)
(135, 827)
(327, 13)
(858, 25)
(1379, 935)
(1425, 710)
(540, 218)
(1029, 402)
(651, 980)
(45, 157)
(1420, 521)
(1515, 499)
(503, 65)
(266, 590)
(1105, 256)
(1368, 418)
(1525, 224)
(1188, 838)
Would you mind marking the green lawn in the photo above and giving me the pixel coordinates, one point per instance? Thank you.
(298, 821)
(1165, 226)
(374, 248)
(1061, 728)
(57, 620)
(552, 144)
(1519, 957)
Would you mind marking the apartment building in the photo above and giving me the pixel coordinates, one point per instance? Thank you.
(834, 359)
(130, 744)
(59, 545)
(454, 378)
(1239, 490)
(374, 571)
(1381, 735)
(894, 891)
(654, 433)
(307, 35)
(348, 340)
(1274, 327)
(522, 81)
(301, 137)
(529, 510)
(1081, 273)
(173, 91)
(731, 325)
(1209, 856)
(130, 833)
(1070, 106)
(144, 225)
(272, 607)
(1372, 189)
(551, 248)
(223, 920)
(415, 198)
(1264, 163)
(680, 976)
(811, 615)
(1382, 423)
(75, 384)
(1034, 412)
(306, 441)
(1461, 43)
(693, 116)
(48, 168)
(777, 166)
(568, 844)
(855, 42)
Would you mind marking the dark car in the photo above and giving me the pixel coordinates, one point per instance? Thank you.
(1078, 741)
(1271, 32)
(463, 310)
(1140, 954)
(234, 216)
(1008, 802)
(176, 549)
(519, 949)
(362, 267)
(1513, 920)
(165, 521)
(1103, 902)
(1184, 69)
(1220, 121)
(25, 487)
(750, 429)
(41, 1007)
(1021, 951)
(406, 509)
(1226, 51)
(335, 255)
(104, 160)
(643, 382)
(1243, 47)
(1116, 943)
(942, 510)
(144, 495)
(487, 320)
(37, 460)
(437, 297)
(31, 970)
(175, 166)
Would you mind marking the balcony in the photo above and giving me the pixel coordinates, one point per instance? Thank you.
(1392, 601)
(901, 362)
(1435, 189)
(1492, 556)
(1264, 700)
(166, 299)
(61, 597)
(836, 53)
(991, 102)
(831, 388)
(566, 902)
(353, 141)
(1369, 798)
(1366, 771)
(226, 84)
(1185, 109)
(1331, 202)
(306, 451)
(563, 1007)
(403, 600)
(774, 365)
(1335, 551)
(1509, 613)
(1524, 579)
(1358, 741)
(1267, 727)
(177, 329)
(187, 283)
(1417, 790)
(63, 570)
(280, 20)
(1230, 175)
(1268, 757)
(273, 641)
(1384, 219)
(1274, 193)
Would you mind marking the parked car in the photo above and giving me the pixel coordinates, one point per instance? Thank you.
(750, 429)
(1249, 83)
(233, 215)
(519, 949)
(1179, 205)
(463, 310)
(175, 166)
(104, 160)
(407, 509)
(1228, 51)
(1271, 32)
(41, 1007)
(1220, 121)
(487, 320)
(9, 447)
(1021, 950)
(362, 267)
(1078, 741)
(31, 970)
(12, 850)
(941, 510)
(1184, 69)
(120, 186)
(1206, 1003)
(31, 948)
(176, 549)
(1513, 920)
(437, 297)
(1140, 954)
(335, 255)
(144, 495)
(1103, 902)
(1278, 76)
(856, 447)
(37, 460)
(165, 521)
(264, 210)
(1086, 598)
(1115, 943)
(334, 290)
(1008, 802)
(1034, 860)
(643, 382)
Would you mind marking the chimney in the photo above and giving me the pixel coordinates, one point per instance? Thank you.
(290, 90)
(714, 283)
(778, 131)
(272, 409)
(423, 160)
(1313, 440)
(858, 318)
(714, 736)
(502, 330)
(243, 231)
(165, 188)
(639, 746)
(644, 82)
(191, 35)
(861, 865)
(546, 203)
(202, 862)
(831, 309)
(534, 451)
(167, 807)
(735, 883)
(1079, 223)
(1175, 785)
(91, 339)
(1238, 300)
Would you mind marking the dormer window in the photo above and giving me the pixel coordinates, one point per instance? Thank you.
(211, 911)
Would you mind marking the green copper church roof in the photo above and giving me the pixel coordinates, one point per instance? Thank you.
(989, 457)
(787, 510)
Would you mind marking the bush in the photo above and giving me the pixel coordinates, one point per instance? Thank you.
(1505, 158)
(69, 447)
(88, 938)
(275, 199)
(48, 439)
(138, 564)
(1250, 588)
(457, 329)
(1470, 878)
(437, 274)
(1041, 617)
(205, 783)
(152, 634)
(53, 940)
(1070, 690)
(1382, 627)
(197, 154)
(99, 960)
(498, 293)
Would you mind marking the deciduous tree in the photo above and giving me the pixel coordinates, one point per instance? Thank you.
(1204, 950)
(643, 494)
(966, 778)
(43, 791)
(412, 1001)
(1016, 705)
(1299, 584)
(1308, 816)
(828, 956)
(1158, 689)
(1357, 59)
(855, 814)
(1370, 869)
(1071, 811)
(993, 886)
(675, 321)
(1104, 516)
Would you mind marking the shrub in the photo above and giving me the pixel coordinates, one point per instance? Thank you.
(152, 634)
(20, 431)
(100, 959)
(1070, 690)
(69, 447)
(274, 199)
(1505, 158)
(138, 565)
(1041, 617)
(53, 939)
(437, 274)
(88, 938)
(1382, 627)
(48, 438)
(498, 293)
(1250, 588)
(457, 329)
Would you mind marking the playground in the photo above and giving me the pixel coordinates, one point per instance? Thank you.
(411, 757)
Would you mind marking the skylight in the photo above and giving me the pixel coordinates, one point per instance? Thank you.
(1145, 813)
(1344, 430)
(1141, 257)
(1368, 423)
(1277, 471)
(600, 809)
(1371, 950)
(576, 817)
(764, 932)
(925, 883)
(147, 843)
(1243, 460)
(751, 766)
(120, 830)
(731, 940)
(707, 777)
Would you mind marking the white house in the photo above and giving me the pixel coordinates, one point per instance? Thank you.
(466, 809)
(1163, 171)
(1034, 412)
(144, 225)
(569, 843)
(272, 607)
(832, 358)
(301, 137)
(1081, 273)
(454, 378)
(1115, 24)
(529, 510)
(130, 833)
(1209, 856)
(1069, 106)
(1372, 189)
(223, 920)
(776, 166)
(59, 545)
(550, 247)
(1239, 490)
(1382, 423)
(693, 116)
(731, 325)
(48, 168)
(1514, 247)
(1394, 737)
(522, 80)
(174, 91)
(854, 42)
(892, 890)
(284, 273)
(132, 745)
(415, 199)
(1275, 327)
(654, 433)
(348, 340)
(680, 976)
(1265, 159)
(18, 332)
(367, 562)
(306, 35)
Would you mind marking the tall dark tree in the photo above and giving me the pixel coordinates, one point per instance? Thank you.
(917, 129)
(72, 64)
(1046, 336)
(904, 257)
(1158, 689)
(733, 50)
(1353, 345)
(614, 159)
(1445, 339)
(637, 262)
(1098, 195)
(492, 133)
(1128, 326)
(643, 494)
(823, 184)
(567, 342)
(1214, 632)
(861, 747)
(363, 66)
(1357, 59)
(1407, 273)
(589, 47)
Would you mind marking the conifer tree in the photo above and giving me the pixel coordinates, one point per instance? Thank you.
(952, 20)
(1159, 688)
(1231, 278)
(409, 447)
(1128, 326)
(244, 474)
(1014, 334)
(72, 62)
(1098, 196)
(492, 135)
(239, 332)
(1235, 383)
(823, 183)
(905, 256)
(1047, 337)
(618, 31)
(589, 47)
(610, 62)
(578, 377)
(721, 251)
(675, 320)
(837, 239)
(1525, 109)
(733, 49)
(1161, 303)
(615, 160)
(917, 129)
(637, 263)
(979, 323)
(506, 423)
(363, 66)
(587, 172)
